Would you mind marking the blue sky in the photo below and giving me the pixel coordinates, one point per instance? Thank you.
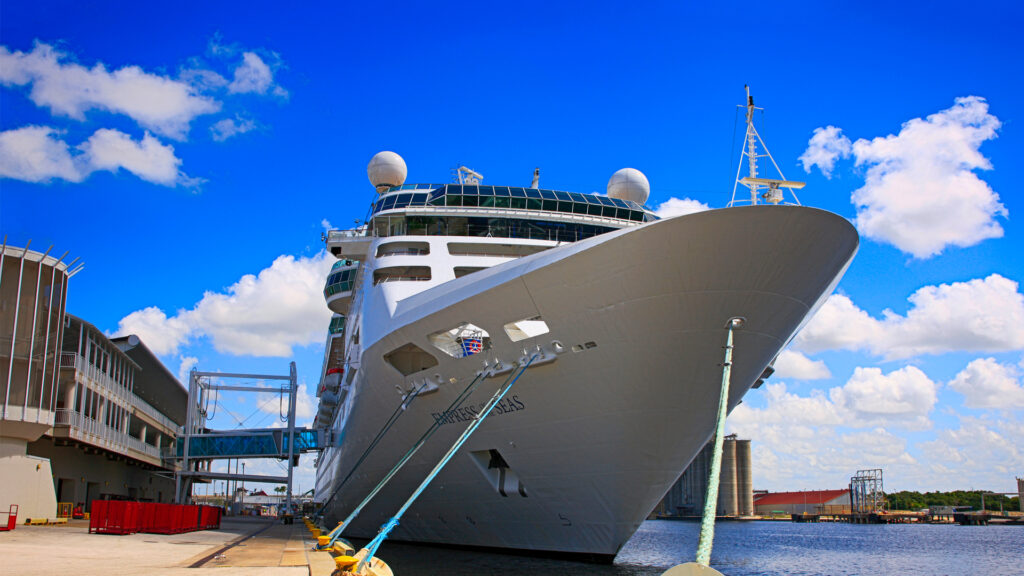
(192, 154)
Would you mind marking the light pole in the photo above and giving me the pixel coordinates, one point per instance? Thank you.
(243, 475)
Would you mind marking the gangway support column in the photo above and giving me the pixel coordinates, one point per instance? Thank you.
(293, 386)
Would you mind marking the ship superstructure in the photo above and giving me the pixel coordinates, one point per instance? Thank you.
(623, 315)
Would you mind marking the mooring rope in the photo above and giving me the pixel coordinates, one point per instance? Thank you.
(371, 548)
(707, 524)
(336, 533)
(376, 439)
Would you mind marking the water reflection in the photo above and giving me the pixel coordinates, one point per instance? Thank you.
(756, 548)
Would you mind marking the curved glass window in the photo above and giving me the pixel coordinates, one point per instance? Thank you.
(339, 281)
(504, 197)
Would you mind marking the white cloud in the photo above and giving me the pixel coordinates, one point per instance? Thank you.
(159, 103)
(147, 159)
(260, 315)
(903, 397)
(982, 453)
(981, 315)
(305, 406)
(36, 154)
(161, 334)
(985, 383)
(186, 366)
(253, 75)
(229, 127)
(794, 365)
(921, 193)
(825, 147)
(267, 314)
(679, 207)
(806, 441)
(798, 442)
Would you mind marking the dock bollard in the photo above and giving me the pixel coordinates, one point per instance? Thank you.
(345, 563)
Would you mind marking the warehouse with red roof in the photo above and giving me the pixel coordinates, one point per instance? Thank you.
(804, 502)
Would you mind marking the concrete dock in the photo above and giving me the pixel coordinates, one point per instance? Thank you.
(243, 545)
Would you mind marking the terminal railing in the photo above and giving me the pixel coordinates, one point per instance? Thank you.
(91, 431)
(112, 389)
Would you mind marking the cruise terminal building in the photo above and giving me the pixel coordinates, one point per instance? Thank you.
(84, 416)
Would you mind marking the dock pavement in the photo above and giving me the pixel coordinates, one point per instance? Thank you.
(247, 545)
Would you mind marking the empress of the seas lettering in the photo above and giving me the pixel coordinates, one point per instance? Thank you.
(467, 413)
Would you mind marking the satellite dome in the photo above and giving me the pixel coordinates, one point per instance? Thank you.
(629, 184)
(386, 169)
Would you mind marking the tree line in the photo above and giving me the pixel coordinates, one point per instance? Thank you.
(908, 500)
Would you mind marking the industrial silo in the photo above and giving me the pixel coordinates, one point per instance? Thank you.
(744, 479)
(727, 501)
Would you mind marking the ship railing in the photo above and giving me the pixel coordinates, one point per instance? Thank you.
(486, 211)
(337, 235)
(405, 252)
(384, 279)
(486, 254)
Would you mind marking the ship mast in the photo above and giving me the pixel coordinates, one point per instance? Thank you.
(772, 187)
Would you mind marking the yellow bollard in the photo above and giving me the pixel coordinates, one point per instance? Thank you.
(322, 541)
(345, 563)
(315, 531)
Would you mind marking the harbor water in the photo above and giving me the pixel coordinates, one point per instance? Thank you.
(758, 548)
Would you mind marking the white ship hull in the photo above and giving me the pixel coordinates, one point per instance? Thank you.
(597, 436)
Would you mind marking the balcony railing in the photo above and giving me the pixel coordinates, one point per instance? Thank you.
(114, 390)
(98, 434)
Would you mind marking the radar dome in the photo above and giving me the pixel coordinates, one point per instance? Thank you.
(386, 169)
(629, 184)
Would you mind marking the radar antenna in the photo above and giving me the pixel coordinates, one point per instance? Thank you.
(772, 187)
(468, 176)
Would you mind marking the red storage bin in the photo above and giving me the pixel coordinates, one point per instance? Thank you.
(120, 517)
(114, 517)
(158, 519)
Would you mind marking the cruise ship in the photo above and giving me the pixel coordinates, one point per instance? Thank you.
(613, 320)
